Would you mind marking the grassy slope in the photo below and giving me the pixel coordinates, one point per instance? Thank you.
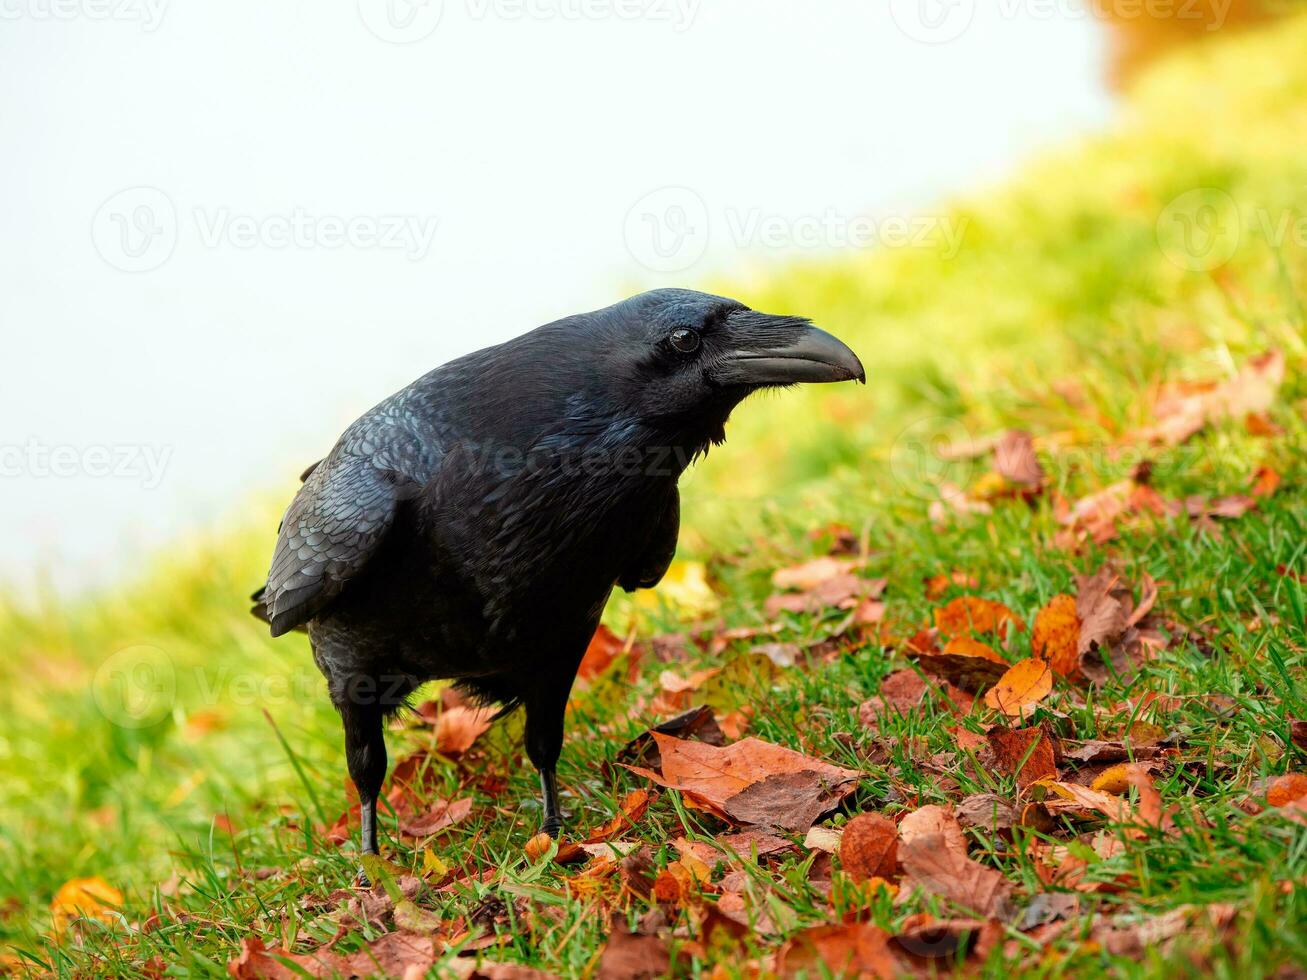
(1060, 277)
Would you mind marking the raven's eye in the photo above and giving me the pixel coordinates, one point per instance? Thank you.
(685, 340)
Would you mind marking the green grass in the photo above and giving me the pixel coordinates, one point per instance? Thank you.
(1062, 288)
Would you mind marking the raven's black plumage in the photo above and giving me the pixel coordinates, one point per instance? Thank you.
(473, 525)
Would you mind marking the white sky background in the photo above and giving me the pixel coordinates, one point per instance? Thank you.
(178, 321)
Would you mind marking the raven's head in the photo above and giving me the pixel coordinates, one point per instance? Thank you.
(688, 358)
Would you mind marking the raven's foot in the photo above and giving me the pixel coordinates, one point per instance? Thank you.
(362, 879)
(553, 826)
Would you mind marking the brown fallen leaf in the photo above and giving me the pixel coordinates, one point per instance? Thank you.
(1076, 800)
(928, 943)
(842, 591)
(972, 614)
(986, 811)
(698, 723)
(1015, 460)
(869, 847)
(256, 961)
(939, 584)
(457, 728)
(1024, 685)
(629, 955)
(751, 782)
(633, 807)
(441, 815)
(1056, 636)
(853, 949)
(938, 868)
(1030, 754)
(933, 821)
(813, 573)
(964, 662)
(1183, 408)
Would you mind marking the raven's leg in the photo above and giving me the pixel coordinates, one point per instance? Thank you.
(545, 706)
(365, 753)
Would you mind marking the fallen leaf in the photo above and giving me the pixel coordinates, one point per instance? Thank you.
(847, 950)
(457, 728)
(605, 647)
(698, 723)
(84, 898)
(986, 811)
(633, 807)
(1287, 788)
(1265, 482)
(441, 815)
(1024, 685)
(933, 821)
(843, 591)
(811, 574)
(868, 847)
(751, 781)
(1015, 460)
(631, 956)
(1182, 409)
(1056, 636)
(256, 961)
(938, 868)
(965, 662)
(939, 584)
(972, 614)
(1027, 753)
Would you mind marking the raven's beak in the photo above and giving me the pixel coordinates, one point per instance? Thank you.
(804, 355)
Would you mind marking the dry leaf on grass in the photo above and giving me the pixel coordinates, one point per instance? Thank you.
(632, 809)
(1056, 636)
(1015, 460)
(751, 782)
(441, 815)
(698, 723)
(457, 728)
(1024, 685)
(84, 898)
(843, 591)
(393, 954)
(853, 949)
(631, 956)
(972, 614)
(934, 821)
(1030, 754)
(1182, 408)
(813, 573)
(605, 647)
(1287, 788)
(868, 847)
(964, 662)
(938, 868)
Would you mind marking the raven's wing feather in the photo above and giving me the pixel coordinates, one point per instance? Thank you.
(340, 516)
(652, 564)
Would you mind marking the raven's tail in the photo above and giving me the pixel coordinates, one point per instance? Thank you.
(260, 609)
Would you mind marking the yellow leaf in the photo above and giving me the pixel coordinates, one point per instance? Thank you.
(1025, 684)
(685, 588)
(90, 898)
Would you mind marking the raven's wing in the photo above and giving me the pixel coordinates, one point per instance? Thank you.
(341, 514)
(652, 564)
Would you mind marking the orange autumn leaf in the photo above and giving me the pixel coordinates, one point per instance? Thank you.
(1056, 635)
(632, 809)
(1027, 753)
(1287, 788)
(457, 728)
(853, 949)
(972, 614)
(1265, 482)
(605, 646)
(868, 847)
(84, 898)
(1024, 685)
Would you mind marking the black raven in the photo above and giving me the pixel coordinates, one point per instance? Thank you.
(472, 526)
